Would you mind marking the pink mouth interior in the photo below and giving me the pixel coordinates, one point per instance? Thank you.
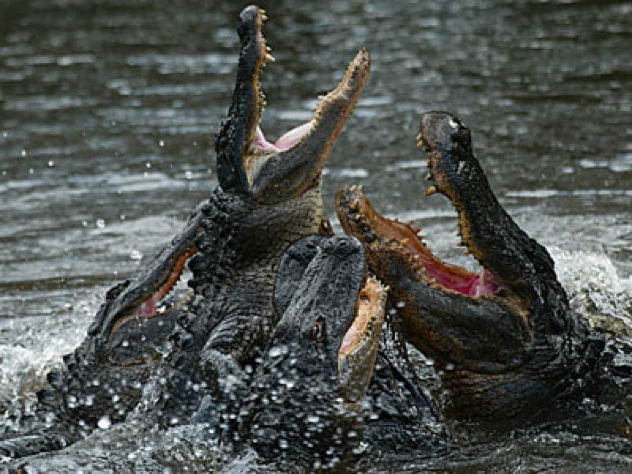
(285, 142)
(451, 277)
(482, 283)
(149, 308)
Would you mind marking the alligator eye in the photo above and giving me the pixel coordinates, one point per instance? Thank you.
(318, 331)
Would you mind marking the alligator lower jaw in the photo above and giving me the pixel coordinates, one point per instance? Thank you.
(359, 218)
(358, 350)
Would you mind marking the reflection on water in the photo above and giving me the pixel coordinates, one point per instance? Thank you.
(108, 111)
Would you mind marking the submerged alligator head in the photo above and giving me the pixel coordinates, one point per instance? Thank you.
(503, 339)
(269, 196)
(305, 404)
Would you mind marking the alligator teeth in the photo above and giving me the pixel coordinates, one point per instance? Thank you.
(270, 58)
(420, 141)
(431, 190)
(428, 177)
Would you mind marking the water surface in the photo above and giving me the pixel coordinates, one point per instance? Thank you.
(108, 111)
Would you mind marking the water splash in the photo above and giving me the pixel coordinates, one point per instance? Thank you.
(596, 289)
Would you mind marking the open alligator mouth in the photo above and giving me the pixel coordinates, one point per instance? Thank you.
(359, 347)
(248, 163)
(484, 320)
(146, 296)
(158, 303)
(354, 207)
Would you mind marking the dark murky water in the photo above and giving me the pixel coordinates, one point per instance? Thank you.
(107, 116)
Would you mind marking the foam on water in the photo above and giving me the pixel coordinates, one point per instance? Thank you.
(596, 289)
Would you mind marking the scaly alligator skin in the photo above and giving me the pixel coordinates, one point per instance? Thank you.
(269, 195)
(304, 409)
(506, 344)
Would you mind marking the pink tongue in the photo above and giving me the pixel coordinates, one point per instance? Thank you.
(483, 284)
(148, 308)
(292, 137)
(285, 142)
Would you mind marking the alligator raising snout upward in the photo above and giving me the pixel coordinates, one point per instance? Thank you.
(305, 409)
(269, 195)
(506, 344)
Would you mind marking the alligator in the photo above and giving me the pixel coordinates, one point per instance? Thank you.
(304, 409)
(506, 345)
(148, 352)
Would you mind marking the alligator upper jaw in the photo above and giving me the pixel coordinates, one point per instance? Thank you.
(250, 164)
(517, 261)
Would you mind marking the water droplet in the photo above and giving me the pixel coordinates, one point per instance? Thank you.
(50, 163)
(148, 165)
(188, 175)
(276, 351)
(23, 152)
(136, 255)
(161, 143)
(100, 223)
(104, 423)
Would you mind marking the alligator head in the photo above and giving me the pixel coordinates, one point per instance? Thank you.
(269, 196)
(304, 406)
(503, 338)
